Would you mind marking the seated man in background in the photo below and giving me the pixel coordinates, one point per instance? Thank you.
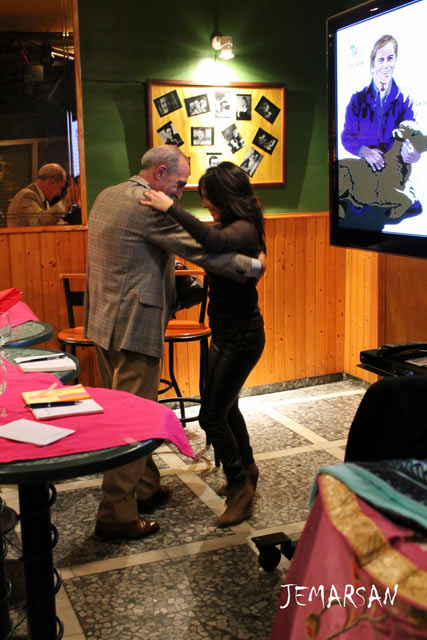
(30, 206)
(391, 421)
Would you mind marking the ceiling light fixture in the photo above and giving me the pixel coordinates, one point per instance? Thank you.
(223, 44)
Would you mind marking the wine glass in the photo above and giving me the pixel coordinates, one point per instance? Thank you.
(3, 384)
(4, 328)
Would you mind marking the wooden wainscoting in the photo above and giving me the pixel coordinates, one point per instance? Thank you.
(301, 296)
(386, 303)
(302, 299)
(31, 260)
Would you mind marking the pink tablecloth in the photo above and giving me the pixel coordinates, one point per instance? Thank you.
(126, 418)
(19, 313)
(349, 549)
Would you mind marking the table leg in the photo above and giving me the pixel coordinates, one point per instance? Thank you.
(5, 621)
(36, 531)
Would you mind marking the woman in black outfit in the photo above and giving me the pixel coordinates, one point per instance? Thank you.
(236, 323)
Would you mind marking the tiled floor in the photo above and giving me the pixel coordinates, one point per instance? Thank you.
(192, 580)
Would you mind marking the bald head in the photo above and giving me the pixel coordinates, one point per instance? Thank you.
(51, 171)
(51, 179)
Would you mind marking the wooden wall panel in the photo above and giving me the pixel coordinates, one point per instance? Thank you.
(361, 309)
(301, 296)
(405, 313)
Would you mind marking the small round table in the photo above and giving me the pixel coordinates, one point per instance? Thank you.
(35, 500)
(8, 517)
(30, 333)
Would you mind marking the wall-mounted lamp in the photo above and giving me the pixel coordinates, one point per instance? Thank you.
(223, 44)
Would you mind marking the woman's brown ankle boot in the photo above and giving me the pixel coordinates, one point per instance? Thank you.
(252, 473)
(239, 505)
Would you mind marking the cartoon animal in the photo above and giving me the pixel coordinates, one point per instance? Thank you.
(360, 186)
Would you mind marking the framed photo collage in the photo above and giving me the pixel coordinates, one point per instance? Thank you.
(240, 122)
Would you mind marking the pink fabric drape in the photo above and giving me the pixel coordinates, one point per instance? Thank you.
(126, 418)
(325, 557)
(20, 313)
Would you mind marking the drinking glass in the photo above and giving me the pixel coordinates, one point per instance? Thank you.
(4, 328)
(3, 381)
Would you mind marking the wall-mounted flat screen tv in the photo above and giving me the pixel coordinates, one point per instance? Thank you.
(377, 89)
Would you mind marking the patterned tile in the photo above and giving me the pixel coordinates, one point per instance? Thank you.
(330, 418)
(283, 487)
(220, 595)
(266, 434)
(183, 519)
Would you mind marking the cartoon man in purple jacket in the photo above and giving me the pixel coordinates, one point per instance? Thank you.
(376, 110)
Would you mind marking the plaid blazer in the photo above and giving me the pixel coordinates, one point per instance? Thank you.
(130, 285)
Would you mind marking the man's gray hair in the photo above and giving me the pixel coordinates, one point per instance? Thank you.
(51, 171)
(167, 154)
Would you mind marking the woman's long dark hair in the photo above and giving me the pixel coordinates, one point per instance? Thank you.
(228, 188)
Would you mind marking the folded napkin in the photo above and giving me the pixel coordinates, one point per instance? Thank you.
(9, 297)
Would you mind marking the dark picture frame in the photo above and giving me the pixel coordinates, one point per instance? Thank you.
(251, 161)
(167, 103)
(202, 136)
(267, 109)
(253, 137)
(265, 141)
(169, 134)
(213, 159)
(243, 106)
(196, 105)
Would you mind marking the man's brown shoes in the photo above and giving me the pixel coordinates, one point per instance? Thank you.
(124, 530)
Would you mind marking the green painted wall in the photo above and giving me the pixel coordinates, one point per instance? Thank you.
(124, 43)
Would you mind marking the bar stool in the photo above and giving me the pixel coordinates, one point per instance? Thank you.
(74, 286)
(182, 331)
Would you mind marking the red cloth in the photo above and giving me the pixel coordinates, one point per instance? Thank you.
(126, 418)
(20, 313)
(324, 557)
(9, 297)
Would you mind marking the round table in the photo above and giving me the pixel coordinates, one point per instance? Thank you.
(30, 333)
(35, 500)
(8, 517)
(11, 353)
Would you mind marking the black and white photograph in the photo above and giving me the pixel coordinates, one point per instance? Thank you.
(243, 106)
(197, 105)
(170, 135)
(202, 136)
(267, 109)
(233, 138)
(251, 161)
(213, 159)
(265, 141)
(167, 103)
(224, 104)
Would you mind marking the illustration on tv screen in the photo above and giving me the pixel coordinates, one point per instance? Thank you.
(381, 122)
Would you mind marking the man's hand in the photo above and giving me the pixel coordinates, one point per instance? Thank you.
(408, 152)
(157, 200)
(374, 157)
